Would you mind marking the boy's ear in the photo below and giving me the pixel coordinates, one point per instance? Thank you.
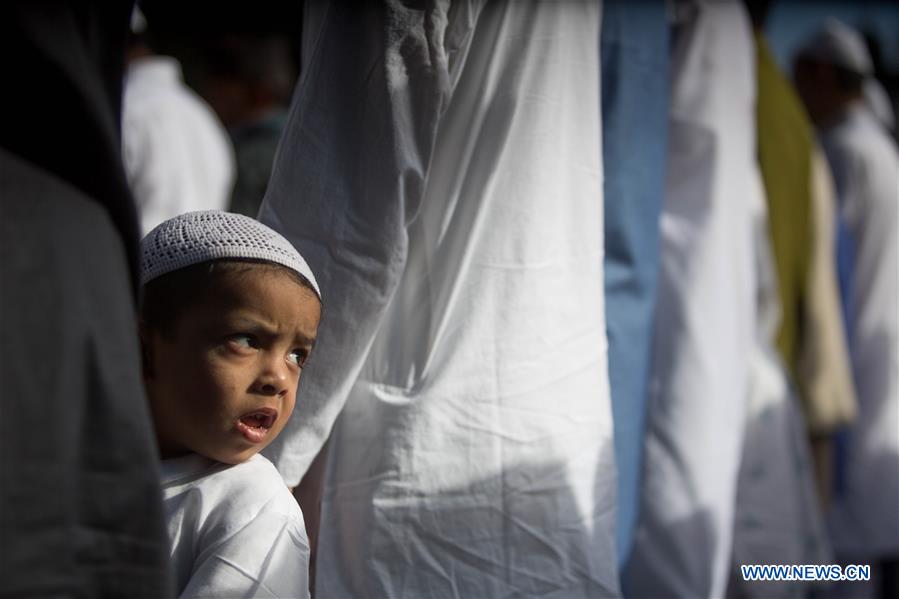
(146, 350)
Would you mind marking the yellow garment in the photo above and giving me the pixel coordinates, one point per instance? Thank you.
(785, 150)
(810, 339)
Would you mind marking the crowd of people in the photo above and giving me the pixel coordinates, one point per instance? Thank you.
(576, 299)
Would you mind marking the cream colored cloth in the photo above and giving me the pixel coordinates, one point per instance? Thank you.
(824, 366)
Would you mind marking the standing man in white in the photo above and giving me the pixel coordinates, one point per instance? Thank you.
(177, 155)
(705, 312)
(441, 169)
(830, 75)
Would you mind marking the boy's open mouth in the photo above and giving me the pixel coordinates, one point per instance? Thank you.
(260, 419)
(255, 425)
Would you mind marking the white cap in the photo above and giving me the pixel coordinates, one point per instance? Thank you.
(840, 45)
(197, 237)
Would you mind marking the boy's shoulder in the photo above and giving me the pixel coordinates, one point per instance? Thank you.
(234, 528)
(229, 496)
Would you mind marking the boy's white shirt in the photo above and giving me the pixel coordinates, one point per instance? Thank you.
(235, 531)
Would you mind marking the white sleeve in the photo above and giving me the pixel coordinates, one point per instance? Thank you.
(349, 176)
(269, 557)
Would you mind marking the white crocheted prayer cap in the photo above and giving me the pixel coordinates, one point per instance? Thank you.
(840, 45)
(197, 237)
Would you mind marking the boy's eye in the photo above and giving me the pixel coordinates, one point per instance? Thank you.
(242, 341)
(298, 356)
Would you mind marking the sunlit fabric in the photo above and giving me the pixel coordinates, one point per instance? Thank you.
(441, 170)
(705, 315)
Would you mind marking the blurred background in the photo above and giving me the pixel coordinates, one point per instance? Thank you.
(789, 24)
(245, 62)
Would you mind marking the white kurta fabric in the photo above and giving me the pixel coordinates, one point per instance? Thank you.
(866, 172)
(778, 517)
(177, 155)
(235, 531)
(441, 172)
(705, 312)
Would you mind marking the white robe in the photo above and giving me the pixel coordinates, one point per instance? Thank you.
(177, 155)
(778, 517)
(235, 531)
(705, 317)
(865, 166)
(441, 172)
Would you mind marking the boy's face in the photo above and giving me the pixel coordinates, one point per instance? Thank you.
(223, 383)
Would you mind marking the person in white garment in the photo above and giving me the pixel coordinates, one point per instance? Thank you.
(441, 170)
(778, 518)
(830, 73)
(228, 320)
(878, 102)
(177, 155)
(706, 313)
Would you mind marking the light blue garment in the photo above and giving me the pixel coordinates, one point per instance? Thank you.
(634, 51)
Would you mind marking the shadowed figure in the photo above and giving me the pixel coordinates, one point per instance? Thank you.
(80, 509)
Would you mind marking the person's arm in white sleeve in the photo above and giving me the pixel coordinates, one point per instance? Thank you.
(269, 557)
(349, 176)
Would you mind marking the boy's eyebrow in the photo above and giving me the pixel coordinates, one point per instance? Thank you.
(249, 322)
(304, 340)
(259, 324)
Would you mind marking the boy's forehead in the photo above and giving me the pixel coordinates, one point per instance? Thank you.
(244, 289)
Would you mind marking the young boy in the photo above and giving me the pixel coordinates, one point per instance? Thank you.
(229, 315)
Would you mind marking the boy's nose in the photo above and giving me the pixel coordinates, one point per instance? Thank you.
(273, 379)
